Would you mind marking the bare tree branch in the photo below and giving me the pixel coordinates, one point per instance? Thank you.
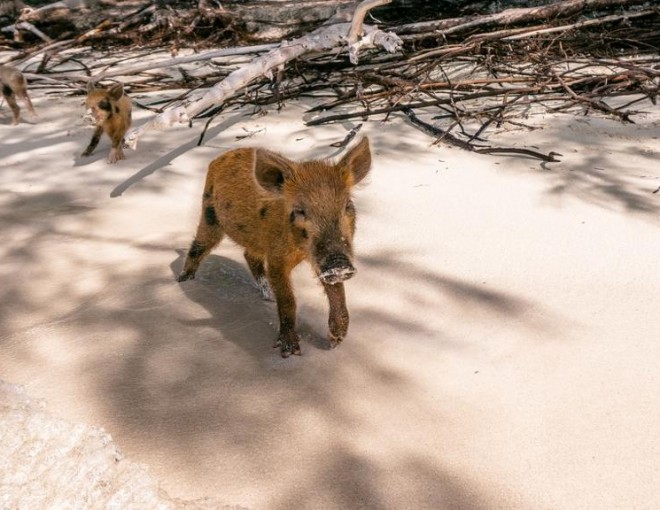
(322, 39)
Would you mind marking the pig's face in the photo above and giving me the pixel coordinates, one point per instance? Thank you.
(102, 104)
(320, 212)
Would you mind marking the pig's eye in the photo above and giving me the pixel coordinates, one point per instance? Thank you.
(350, 208)
(297, 213)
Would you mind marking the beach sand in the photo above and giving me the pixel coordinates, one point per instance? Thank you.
(504, 340)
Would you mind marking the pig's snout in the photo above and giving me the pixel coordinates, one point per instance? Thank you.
(336, 268)
(89, 118)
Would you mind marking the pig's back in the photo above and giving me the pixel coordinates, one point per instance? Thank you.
(239, 202)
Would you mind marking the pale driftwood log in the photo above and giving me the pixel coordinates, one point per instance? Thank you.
(207, 55)
(24, 25)
(357, 26)
(324, 38)
(279, 19)
(506, 17)
(581, 24)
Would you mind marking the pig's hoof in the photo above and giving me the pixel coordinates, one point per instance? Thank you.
(185, 275)
(113, 158)
(334, 340)
(288, 346)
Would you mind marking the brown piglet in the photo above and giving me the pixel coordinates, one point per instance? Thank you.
(283, 212)
(110, 109)
(14, 86)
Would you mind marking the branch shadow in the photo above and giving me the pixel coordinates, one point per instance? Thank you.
(601, 166)
(591, 183)
(432, 290)
(173, 154)
(184, 375)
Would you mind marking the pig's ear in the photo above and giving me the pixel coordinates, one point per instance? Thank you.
(357, 161)
(116, 91)
(271, 170)
(91, 85)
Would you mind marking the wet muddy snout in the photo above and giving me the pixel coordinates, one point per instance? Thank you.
(336, 268)
(89, 118)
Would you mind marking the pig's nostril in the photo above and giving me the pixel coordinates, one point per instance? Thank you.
(335, 260)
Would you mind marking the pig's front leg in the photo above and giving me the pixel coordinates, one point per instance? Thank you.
(288, 340)
(98, 131)
(338, 318)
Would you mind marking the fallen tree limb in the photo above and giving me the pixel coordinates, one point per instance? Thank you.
(580, 24)
(25, 25)
(507, 17)
(478, 71)
(322, 39)
(445, 135)
(594, 103)
(207, 55)
(347, 139)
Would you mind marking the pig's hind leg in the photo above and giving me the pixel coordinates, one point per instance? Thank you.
(257, 268)
(26, 99)
(209, 234)
(9, 96)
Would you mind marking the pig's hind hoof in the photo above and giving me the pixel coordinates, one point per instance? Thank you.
(288, 347)
(334, 340)
(185, 275)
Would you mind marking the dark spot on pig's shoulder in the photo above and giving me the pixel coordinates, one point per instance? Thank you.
(116, 109)
(263, 212)
(209, 215)
(304, 233)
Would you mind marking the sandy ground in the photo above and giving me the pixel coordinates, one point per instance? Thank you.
(504, 341)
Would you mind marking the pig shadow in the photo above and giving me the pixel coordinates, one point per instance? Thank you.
(236, 309)
(100, 154)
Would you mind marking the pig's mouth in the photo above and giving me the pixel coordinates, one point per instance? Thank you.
(90, 119)
(337, 275)
(336, 269)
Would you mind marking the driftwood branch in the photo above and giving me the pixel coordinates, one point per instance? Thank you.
(322, 39)
(206, 55)
(580, 24)
(507, 17)
(357, 25)
(25, 25)
(470, 73)
(445, 135)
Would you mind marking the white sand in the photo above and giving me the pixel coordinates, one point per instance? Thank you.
(505, 337)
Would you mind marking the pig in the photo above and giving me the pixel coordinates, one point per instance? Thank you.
(110, 109)
(283, 212)
(14, 86)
